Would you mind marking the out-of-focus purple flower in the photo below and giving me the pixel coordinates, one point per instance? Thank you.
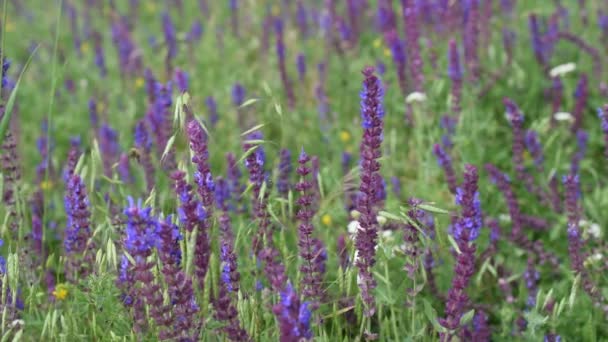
(234, 17)
(170, 36)
(93, 115)
(99, 54)
(537, 41)
(380, 67)
(412, 34)
(301, 66)
(73, 17)
(445, 162)
(396, 186)
(280, 47)
(6, 64)
(110, 149)
(557, 94)
(212, 108)
(129, 56)
(481, 329)
(160, 118)
(181, 79)
(455, 74)
(238, 94)
(294, 316)
(535, 148)
(285, 169)
(581, 94)
(372, 114)
(385, 16)
(471, 39)
(143, 144)
(602, 22)
(302, 18)
(602, 113)
(399, 58)
(321, 95)
(312, 272)
(503, 183)
(124, 169)
(508, 42)
(190, 211)
(195, 33)
(234, 183)
(465, 229)
(581, 143)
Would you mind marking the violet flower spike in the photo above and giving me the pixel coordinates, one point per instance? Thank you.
(212, 109)
(581, 143)
(455, 73)
(205, 189)
(535, 148)
(143, 144)
(445, 162)
(602, 113)
(294, 316)
(582, 95)
(465, 229)
(77, 242)
(285, 170)
(311, 269)
(280, 48)
(301, 66)
(372, 114)
(412, 34)
(397, 47)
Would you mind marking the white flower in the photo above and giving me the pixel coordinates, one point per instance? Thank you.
(381, 220)
(387, 234)
(415, 97)
(352, 227)
(504, 218)
(595, 230)
(563, 116)
(563, 69)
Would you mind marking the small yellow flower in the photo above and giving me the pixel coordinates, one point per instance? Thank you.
(139, 82)
(345, 136)
(60, 292)
(527, 155)
(326, 219)
(10, 26)
(377, 43)
(84, 48)
(387, 52)
(150, 7)
(275, 10)
(46, 185)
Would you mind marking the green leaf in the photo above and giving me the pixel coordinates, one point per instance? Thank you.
(248, 103)
(432, 209)
(431, 314)
(467, 317)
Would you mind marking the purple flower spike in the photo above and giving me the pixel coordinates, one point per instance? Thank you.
(532, 277)
(212, 108)
(535, 148)
(143, 144)
(77, 243)
(238, 94)
(110, 149)
(205, 189)
(445, 162)
(294, 316)
(280, 47)
(170, 39)
(602, 113)
(575, 240)
(399, 57)
(455, 74)
(285, 169)
(301, 66)
(372, 114)
(581, 142)
(99, 54)
(181, 79)
(310, 248)
(412, 34)
(581, 94)
(466, 229)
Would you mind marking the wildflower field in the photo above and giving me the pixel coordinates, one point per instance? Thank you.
(304, 170)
